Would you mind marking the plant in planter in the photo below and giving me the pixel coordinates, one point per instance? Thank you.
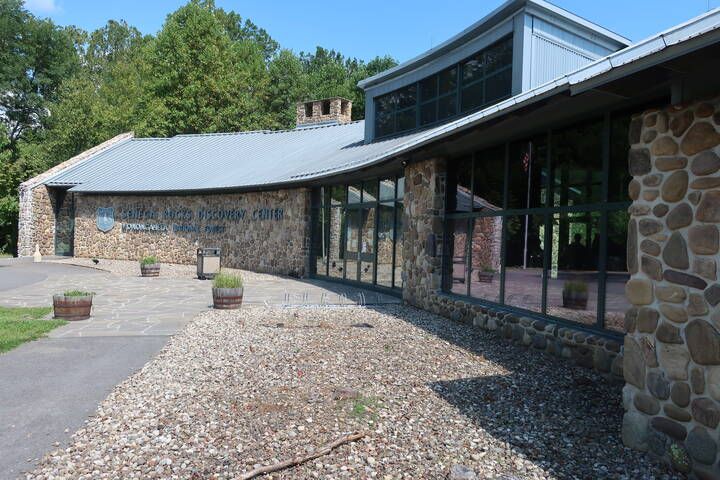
(73, 305)
(227, 291)
(149, 266)
(575, 295)
(486, 275)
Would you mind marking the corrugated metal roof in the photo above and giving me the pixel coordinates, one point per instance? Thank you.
(263, 158)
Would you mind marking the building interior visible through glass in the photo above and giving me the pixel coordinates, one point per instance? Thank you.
(357, 231)
(540, 224)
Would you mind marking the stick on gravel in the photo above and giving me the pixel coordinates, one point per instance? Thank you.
(302, 459)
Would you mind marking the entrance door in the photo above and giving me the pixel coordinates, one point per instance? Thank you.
(64, 223)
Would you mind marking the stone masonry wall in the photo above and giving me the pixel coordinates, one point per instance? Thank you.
(340, 111)
(32, 226)
(260, 239)
(672, 349)
(424, 212)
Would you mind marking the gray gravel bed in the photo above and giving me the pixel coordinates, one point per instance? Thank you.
(236, 390)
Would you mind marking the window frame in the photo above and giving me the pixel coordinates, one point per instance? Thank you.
(457, 91)
(605, 208)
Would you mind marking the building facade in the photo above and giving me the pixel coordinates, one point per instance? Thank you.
(536, 176)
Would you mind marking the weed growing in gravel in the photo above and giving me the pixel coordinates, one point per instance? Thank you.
(365, 407)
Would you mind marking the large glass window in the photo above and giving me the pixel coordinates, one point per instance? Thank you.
(483, 79)
(357, 231)
(540, 224)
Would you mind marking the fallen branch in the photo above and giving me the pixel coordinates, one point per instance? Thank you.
(324, 450)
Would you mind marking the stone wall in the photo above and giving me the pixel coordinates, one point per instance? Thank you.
(259, 231)
(672, 349)
(422, 270)
(32, 227)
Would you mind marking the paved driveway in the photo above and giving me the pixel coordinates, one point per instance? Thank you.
(50, 386)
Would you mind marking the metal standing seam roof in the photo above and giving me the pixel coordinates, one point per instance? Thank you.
(282, 158)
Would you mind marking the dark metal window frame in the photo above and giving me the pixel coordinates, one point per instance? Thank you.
(547, 211)
(325, 205)
(458, 92)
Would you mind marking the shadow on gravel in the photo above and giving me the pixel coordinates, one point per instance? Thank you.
(563, 418)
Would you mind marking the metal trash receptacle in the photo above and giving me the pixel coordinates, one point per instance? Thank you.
(208, 263)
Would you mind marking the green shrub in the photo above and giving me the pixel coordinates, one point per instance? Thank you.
(227, 280)
(150, 260)
(78, 293)
(488, 270)
(577, 286)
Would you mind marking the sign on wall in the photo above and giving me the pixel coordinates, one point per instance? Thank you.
(105, 219)
(182, 220)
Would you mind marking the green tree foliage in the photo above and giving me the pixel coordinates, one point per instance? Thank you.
(63, 90)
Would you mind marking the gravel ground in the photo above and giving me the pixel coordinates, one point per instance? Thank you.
(236, 390)
(131, 268)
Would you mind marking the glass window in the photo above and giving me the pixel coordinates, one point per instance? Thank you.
(616, 303)
(399, 234)
(387, 189)
(338, 195)
(354, 193)
(485, 258)
(385, 244)
(524, 251)
(489, 179)
(459, 186)
(337, 242)
(370, 190)
(456, 256)
(367, 245)
(447, 81)
(577, 165)
(352, 243)
(573, 276)
(485, 77)
(401, 188)
(320, 240)
(527, 174)
(618, 174)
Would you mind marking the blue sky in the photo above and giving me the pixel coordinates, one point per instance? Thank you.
(365, 29)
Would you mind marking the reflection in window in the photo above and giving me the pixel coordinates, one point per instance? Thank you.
(616, 303)
(337, 242)
(320, 241)
(619, 147)
(351, 246)
(385, 243)
(524, 250)
(457, 249)
(459, 186)
(573, 275)
(399, 234)
(528, 174)
(577, 165)
(367, 245)
(489, 180)
(485, 258)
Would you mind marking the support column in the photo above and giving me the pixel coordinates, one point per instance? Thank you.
(672, 349)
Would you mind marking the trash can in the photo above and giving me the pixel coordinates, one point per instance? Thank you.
(208, 263)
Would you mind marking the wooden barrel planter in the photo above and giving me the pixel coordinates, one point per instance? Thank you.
(72, 308)
(152, 270)
(227, 298)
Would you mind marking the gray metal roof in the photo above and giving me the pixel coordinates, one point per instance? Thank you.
(500, 14)
(226, 160)
(264, 158)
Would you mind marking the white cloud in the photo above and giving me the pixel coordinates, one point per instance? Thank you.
(42, 6)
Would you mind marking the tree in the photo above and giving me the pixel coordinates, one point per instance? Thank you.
(202, 81)
(40, 56)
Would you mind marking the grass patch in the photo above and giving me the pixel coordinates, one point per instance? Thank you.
(227, 280)
(365, 407)
(20, 325)
(6, 255)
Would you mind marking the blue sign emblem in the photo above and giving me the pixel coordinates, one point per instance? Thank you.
(105, 219)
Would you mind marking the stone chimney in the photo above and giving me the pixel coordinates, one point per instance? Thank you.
(327, 111)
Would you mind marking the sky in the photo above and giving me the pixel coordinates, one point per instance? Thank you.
(368, 28)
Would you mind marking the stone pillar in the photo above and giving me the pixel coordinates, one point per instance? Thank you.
(423, 230)
(672, 348)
